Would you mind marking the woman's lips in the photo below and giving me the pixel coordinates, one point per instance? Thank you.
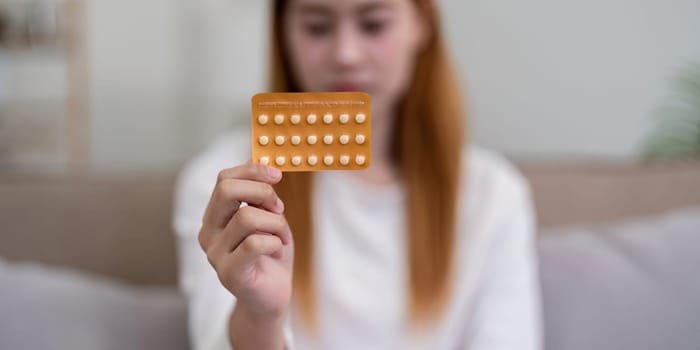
(348, 86)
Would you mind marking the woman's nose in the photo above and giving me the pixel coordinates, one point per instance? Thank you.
(348, 46)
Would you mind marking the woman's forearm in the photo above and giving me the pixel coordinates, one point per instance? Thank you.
(248, 330)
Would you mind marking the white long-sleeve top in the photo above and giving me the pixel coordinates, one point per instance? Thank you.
(361, 267)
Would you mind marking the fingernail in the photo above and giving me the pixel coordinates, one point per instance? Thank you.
(273, 173)
(279, 206)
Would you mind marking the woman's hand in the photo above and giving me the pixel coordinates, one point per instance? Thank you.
(250, 247)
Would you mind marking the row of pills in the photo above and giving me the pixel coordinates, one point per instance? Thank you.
(312, 160)
(295, 140)
(311, 119)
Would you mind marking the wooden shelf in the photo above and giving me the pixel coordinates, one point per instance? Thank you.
(49, 132)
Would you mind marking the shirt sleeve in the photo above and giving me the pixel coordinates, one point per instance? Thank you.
(209, 303)
(507, 309)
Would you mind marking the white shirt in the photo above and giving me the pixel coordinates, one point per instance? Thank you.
(360, 261)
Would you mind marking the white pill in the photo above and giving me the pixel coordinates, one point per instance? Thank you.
(264, 160)
(263, 140)
(360, 118)
(328, 118)
(360, 139)
(344, 159)
(262, 119)
(295, 119)
(280, 160)
(279, 140)
(312, 160)
(328, 160)
(344, 118)
(279, 119)
(328, 139)
(312, 139)
(296, 139)
(311, 119)
(296, 160)
(359, 159)
(344, 139)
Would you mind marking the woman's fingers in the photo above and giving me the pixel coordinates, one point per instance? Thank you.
(249, 221)
(250, 183)
(229, 194)
(254, 246)
(253, 172)
(232, 266)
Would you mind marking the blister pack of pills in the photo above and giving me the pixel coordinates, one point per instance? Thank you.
(311, 131)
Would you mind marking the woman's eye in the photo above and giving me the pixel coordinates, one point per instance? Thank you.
(373, 27)
(317, 29)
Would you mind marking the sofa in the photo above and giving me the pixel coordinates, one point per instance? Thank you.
(87, 261)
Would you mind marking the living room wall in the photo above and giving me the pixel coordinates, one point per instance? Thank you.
(544, 79)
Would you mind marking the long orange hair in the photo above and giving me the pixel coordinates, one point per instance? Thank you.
(426, 148)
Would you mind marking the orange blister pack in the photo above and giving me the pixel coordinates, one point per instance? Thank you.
(311, 131)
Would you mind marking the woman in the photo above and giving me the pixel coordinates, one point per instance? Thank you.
(430, 248)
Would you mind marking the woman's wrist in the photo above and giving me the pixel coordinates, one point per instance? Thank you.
(253, 330)
(276, 318)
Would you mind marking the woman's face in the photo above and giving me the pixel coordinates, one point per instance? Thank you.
(354, 45)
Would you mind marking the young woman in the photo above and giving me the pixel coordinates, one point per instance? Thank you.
(430, 248)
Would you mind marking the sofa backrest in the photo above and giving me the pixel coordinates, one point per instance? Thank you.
(120, 225)
(106, 224)
(599, 193)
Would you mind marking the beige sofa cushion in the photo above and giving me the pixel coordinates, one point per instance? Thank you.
(628, 285)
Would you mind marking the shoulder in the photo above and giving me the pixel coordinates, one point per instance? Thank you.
(488, 176)
(229, 149)
(495, 200)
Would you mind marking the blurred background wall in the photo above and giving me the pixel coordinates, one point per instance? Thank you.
(544, 78)
(560, 78)
(181, 70)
